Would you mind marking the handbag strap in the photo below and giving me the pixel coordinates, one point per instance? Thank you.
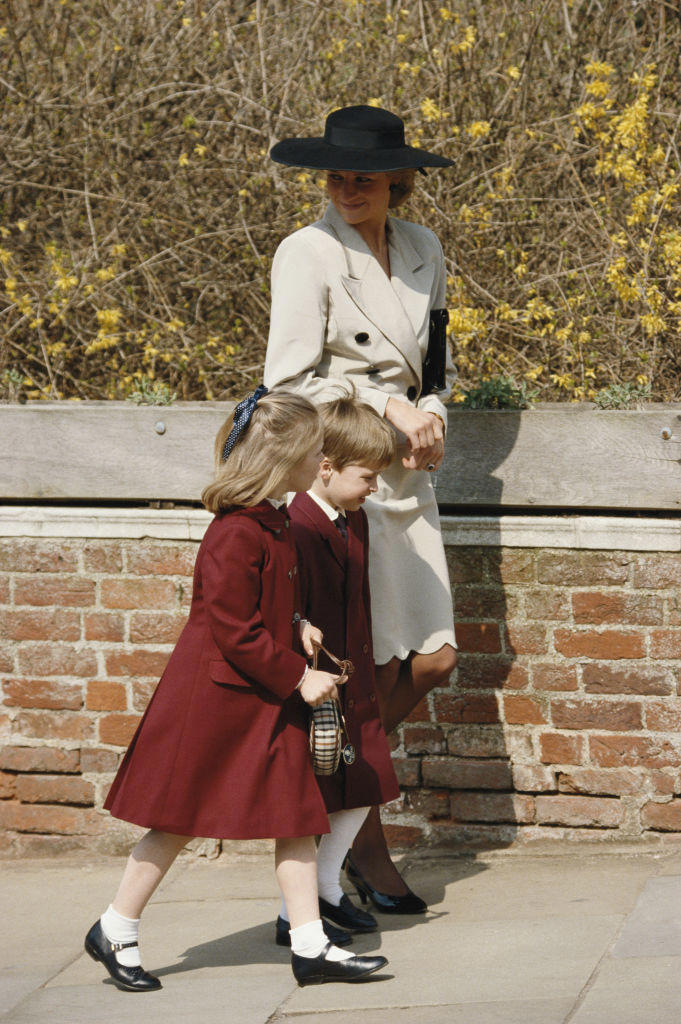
(346, 669)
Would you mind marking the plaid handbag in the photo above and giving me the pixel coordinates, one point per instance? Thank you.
(327, 724)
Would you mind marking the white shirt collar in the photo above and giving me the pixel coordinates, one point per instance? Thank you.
(329, 510)
(276, 503)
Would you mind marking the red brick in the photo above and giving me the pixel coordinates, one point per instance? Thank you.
(40, 624)
(56, 660)
(547, 604)
(98, 761)
(493, 807)
(402, 837)
(38, 556)
(600, 781)
(4, 589)
(556, 748)
(663, 783)
(575, 811)
(156, 627)
(615, 715)
(6, 658)
(582, 568)
(665, 643)
(41, 693)
(474, 708)
(143, 690)
(663, 715)
(161, 559)
(673, 609)
(424, 739)
(525, 639)
(408, 770)
(54, 789)
(657, 572)
(642, 679)
(7, 785)
(662, 817)
(477, 741)
(117, 730)
(600, 607)
(465, 564)
(634, 751)
(455, 774)
(522, 711)
(139, 593)
(431, 804)
(106, 626)
(420, 713)
(478, 636)
(473, 601)
(136, 663)
(103, 556)
(510, 565)
(39, 759)
(490, 672)
(557, 678)
(69, 591)
(105, 696)
(53, 725)
(45, 818)
(608, 643)
(533, 778)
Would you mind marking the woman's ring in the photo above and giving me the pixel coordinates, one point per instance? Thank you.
(430, 467)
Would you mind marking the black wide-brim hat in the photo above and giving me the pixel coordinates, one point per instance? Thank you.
(357, 139)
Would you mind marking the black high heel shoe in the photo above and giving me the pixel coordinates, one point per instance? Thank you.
(347, 915)
(317, 969)
(130, 979)
(408, 903)
(338, 936)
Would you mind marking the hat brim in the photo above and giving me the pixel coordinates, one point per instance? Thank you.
(319, 155)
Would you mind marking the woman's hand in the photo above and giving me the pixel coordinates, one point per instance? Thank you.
(424, 433)
(318, 686)
(308, 635)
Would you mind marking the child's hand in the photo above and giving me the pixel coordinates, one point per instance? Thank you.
(308, 633)
(318, 686)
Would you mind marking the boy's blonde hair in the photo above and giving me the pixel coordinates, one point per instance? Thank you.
(283, 429)
(354, 434)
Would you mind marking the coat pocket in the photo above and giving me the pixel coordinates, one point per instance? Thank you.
(221, 672)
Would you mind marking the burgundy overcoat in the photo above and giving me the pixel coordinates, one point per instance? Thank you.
(222, 750)
(335, 596)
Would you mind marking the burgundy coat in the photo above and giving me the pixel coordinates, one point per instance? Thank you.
(335, 596)
(222, 750)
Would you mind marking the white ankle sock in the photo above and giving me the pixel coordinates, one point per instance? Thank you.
(309, 941)
(122, 929)
(332, 850)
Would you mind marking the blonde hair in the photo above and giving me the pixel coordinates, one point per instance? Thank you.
(354, 434)
(283, 429)
(401, 186)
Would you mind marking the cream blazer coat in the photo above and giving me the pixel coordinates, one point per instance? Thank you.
(337, 319)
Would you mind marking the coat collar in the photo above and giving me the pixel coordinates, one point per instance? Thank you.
(310, 510)
(397, 306)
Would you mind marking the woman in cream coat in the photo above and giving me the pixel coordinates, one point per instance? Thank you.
(352, 296)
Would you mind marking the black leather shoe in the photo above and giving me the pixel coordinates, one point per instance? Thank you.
(130, 979)
(317, 970)
(338, 936)
(347, 915)
(407, 903)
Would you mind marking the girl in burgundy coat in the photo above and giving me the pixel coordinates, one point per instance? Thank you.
(332, 538)
(222, 750)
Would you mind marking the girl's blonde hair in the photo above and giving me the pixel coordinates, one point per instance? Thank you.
(283, 429)
(401, 186)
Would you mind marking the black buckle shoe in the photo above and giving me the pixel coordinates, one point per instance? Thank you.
(130, 979)
(407, 903)
(338, 936)
(347, 915)
(317, 970)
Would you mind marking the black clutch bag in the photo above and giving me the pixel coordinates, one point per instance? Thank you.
(433, 372)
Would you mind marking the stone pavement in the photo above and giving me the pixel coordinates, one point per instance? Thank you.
(582, 938)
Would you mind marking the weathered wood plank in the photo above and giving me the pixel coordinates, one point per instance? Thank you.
(554, 457)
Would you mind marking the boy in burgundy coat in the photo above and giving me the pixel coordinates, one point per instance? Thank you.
(331, 534)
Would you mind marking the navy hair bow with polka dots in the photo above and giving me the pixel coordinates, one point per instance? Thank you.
(242, 417)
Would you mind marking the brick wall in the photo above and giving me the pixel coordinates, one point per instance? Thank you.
(561, 722)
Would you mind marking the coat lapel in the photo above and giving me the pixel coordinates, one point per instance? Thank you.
(323, 525)
(395, 306)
